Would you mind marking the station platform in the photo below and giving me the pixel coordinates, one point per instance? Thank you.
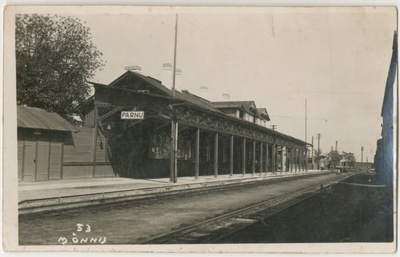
(59, 194)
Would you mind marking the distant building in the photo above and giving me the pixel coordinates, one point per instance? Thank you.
(364, 165)
(50, 148)
(245, 110)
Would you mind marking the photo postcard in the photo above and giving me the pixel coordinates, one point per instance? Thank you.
(201, 129)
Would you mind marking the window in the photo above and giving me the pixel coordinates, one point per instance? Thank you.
(251, 118)
(159, 146)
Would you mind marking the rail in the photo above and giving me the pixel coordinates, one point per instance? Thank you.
(293, 198)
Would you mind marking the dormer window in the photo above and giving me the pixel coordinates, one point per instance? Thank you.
(252, 110)
(242, 114)
(251, 118)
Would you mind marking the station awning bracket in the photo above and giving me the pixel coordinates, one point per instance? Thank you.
(108, 114)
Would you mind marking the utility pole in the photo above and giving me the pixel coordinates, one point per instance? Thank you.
(312, 152)
(362, 150)
(305, 132)
(174, 67)
(319, 137)
(305, 122)
(273, 127)
(336, 147)
(174, 125)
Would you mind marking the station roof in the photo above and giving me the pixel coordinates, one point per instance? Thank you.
(36, 118)
(158, 86)
(159, 90)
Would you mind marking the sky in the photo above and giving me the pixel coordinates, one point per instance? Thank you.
(336, 58)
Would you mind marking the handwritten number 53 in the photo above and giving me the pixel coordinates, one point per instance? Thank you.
(80, 228)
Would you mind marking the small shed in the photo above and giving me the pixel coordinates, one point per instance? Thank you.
(41, 137)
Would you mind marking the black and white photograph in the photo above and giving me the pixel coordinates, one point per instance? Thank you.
(201, 129)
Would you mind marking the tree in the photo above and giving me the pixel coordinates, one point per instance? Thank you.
(55, 57)
(318, 155)
(349, 157)
(334, 158)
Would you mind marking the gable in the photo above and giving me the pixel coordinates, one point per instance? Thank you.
(252, 108)
(137, 82)
(262, 112)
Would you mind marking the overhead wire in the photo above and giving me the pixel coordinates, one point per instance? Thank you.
(326, 118)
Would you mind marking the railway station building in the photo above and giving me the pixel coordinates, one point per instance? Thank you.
(132, 126)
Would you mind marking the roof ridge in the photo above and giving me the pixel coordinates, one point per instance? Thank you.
(187, 92)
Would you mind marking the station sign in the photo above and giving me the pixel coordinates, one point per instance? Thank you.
(132, 115)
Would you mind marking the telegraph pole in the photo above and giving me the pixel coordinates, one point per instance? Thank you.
(174, 68)
(305, 122)
(312, 151)
(319, 137)
(305, 132)
(362, 150)
(174, 125)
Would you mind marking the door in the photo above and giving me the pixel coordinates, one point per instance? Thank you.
(29, 169)
(42, 161)
(36, 160)
(20, 158)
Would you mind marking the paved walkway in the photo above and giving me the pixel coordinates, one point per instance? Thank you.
(71, 187)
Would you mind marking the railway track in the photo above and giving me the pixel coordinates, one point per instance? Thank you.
(215, 228)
